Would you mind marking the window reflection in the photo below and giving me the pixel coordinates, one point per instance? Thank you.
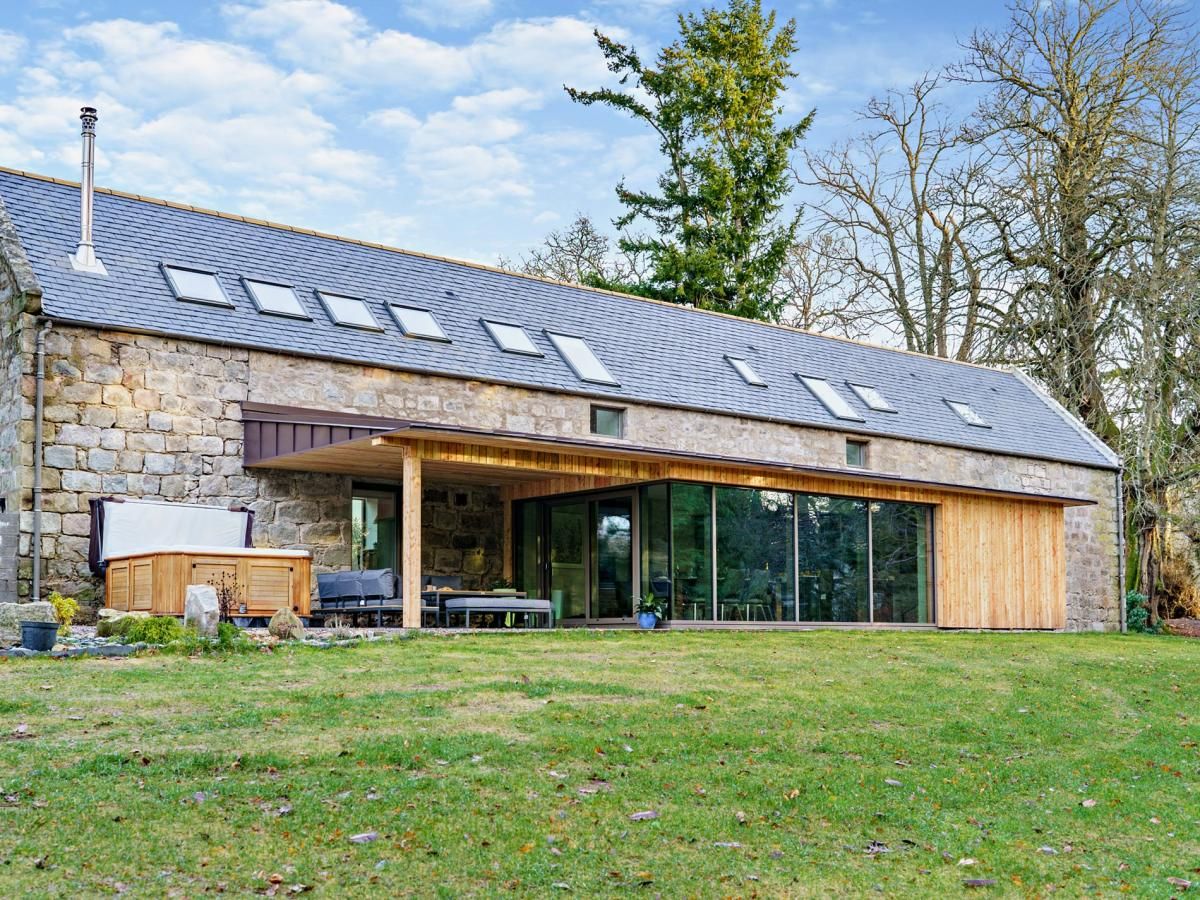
(754, 556)
(691, 534)
(833, 560)
(900, 556)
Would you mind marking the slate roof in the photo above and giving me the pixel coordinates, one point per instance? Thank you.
(661, 354)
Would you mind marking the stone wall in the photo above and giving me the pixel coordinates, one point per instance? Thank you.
(462, 533)
(139, 415)
(11, 320)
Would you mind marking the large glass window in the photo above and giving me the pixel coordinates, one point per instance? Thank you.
(655, 529)
(754, 556)
(730, 554)
(691, 536)
(527, 530)
(612, 558)
(568, 550)
(374, 526)
(833, 559)
(900, 562)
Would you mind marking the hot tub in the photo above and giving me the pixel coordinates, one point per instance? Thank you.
(156, 581)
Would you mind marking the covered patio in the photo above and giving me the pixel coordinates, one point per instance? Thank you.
(592, 525)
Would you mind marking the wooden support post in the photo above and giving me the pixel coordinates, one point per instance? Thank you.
(410, 524)
(506, 500)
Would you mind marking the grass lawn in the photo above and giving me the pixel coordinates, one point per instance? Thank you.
(805, 763)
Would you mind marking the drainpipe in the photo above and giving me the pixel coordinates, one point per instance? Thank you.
(38, 407)
(1121, 548)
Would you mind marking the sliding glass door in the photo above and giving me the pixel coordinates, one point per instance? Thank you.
(568, 557)
(591, 560)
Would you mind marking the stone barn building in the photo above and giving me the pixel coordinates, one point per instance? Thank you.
(381, 408)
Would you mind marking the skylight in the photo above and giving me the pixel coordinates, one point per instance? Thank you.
(274, 298)
(197, 285)
(581, 359)
(871, 397)
(349, 311)
(746, 371)
(417, 323)
(511, 338)
(830, 398)
(967, 413)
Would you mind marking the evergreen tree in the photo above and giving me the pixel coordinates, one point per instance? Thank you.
(719, 235)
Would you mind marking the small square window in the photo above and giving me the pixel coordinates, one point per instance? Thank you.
(197, 285)
(856, 454)
(417, 323)
(608, 421)
(276, 299)
(349, 311)
(967, 413)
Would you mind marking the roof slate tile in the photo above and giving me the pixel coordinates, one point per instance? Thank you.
(660, 354)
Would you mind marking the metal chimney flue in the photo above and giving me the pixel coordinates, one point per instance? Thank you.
(84, 258)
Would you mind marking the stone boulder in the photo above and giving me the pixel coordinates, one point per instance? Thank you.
(107, 613)
(201, 609)
(286, 626)
(13, 614)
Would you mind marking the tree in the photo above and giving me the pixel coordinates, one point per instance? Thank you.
(898, 205)
(719, 234)
(815, 292)
(580, 254)
(1156, 378)
(1090, 125)
(1066, 83)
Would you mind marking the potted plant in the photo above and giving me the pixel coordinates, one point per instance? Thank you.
(649, 611)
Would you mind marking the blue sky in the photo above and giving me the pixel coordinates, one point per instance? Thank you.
(436, 126)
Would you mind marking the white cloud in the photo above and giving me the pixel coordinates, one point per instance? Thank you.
(448, 13)
(465, 153)
(12, 46)
(199, 120)
(334, 39)
(382, 228)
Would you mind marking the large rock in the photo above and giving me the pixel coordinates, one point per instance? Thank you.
(107, 613)
(13, 614)
(286, 626)
(201, 609)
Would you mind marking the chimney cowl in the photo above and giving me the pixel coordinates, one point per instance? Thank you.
(84, 258)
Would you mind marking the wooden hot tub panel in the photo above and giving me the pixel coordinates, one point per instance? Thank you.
(158, 582)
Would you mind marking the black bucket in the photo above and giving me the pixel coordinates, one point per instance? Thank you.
(38, 635)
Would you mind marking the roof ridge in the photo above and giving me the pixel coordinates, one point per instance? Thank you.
(267, 223)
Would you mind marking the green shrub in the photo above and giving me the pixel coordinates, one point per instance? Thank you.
(1137, 615)
(155, 630)
(65, 609)
(229, 639)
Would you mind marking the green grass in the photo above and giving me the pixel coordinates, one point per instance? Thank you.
(489, 763)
